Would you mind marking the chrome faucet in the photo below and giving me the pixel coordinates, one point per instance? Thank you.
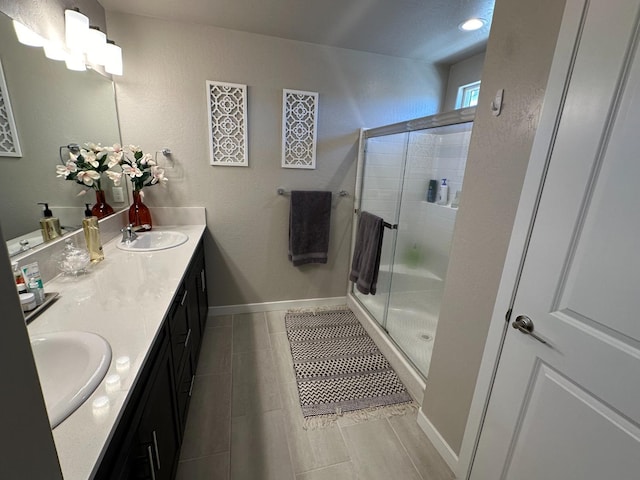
(128, 235)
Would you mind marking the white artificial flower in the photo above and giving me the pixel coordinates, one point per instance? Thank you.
(90, 158)
(133, 148)
(115, 177)
(146, 159)
(114, 158)
(157, 174)
(88, 176)
(65, 170)
(131, 170)
(81, 193)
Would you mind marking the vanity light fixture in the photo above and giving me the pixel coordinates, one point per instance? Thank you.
(113, 58)
(94, 42)
(76, 28)
(75, 61)
(28, 37)
(472, 24)
(54, 51)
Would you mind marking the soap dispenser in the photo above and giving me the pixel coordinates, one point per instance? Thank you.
(92, 235)
(49, 225)
(443, 193)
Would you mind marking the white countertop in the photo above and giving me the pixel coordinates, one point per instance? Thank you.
(124, 299)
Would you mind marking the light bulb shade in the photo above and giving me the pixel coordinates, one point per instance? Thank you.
(113, 59)
(76, 29)
(75, 61)
(54, 51)
(94, 41)
(26, 36)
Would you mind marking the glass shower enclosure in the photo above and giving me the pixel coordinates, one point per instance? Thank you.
(398, 163)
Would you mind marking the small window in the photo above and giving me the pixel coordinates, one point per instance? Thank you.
(468, 95)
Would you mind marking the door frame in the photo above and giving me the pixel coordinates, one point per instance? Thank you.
(553, 104)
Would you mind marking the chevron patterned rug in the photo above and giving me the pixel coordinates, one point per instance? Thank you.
(339, 370)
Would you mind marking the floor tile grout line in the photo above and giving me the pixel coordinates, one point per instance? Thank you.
(185, 460)
(325, 467)
(405, 449)
(230, 425)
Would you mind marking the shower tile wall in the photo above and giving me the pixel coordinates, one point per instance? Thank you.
(432, 155)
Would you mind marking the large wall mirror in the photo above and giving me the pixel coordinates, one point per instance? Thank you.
(52, 107)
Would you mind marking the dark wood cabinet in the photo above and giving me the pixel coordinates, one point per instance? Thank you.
(146, 442)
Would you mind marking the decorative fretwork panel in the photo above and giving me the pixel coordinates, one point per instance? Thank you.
(228, 123)
(299, 128)
(9, 145)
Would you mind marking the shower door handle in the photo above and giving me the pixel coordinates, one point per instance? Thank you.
(525, 325)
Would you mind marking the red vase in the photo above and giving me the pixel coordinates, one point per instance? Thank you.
(139, 213)
(101, 209)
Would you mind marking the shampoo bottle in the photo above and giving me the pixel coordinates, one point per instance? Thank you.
(443, 193)
(92, 235)
(49, 225)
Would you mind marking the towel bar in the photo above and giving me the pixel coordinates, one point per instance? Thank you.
(282, 191)
(388, 225)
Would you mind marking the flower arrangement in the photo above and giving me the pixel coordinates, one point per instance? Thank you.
(86, 165)
(139, 167)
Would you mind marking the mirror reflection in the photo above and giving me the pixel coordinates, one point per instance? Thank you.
(52, 108)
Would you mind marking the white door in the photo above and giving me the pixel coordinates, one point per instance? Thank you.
(570, 408)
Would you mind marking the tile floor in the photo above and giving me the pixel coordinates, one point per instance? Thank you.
(245, 423)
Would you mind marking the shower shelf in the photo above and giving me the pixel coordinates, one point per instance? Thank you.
(439, 206)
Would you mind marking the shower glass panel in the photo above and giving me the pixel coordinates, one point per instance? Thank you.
(380, 195)
(396, 171)
(425, 231)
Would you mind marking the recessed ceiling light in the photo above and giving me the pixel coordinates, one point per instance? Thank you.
(472, 24)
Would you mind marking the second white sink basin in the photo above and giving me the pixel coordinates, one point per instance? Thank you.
(70, 367)
(154, 240)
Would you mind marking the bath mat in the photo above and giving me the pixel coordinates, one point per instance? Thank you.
(340, 371)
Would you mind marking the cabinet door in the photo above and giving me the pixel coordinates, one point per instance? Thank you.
(157, 435)
(180, 331)
(201, 288)
(192, 312)
(183, 392)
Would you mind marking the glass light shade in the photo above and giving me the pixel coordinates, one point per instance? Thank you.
(54, 51)
(75, 61)
(472, 24)
(94, 41)
(26, 36)
(76, 29)
(113, 59)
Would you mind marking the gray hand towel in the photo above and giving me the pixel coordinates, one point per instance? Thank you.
(366, 253)
(309, 222)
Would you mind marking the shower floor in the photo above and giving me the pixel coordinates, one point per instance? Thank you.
(413, 326)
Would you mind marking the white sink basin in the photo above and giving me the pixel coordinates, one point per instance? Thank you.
(70, 366)
(154, 240)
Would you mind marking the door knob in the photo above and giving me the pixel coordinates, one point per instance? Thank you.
(525, 325)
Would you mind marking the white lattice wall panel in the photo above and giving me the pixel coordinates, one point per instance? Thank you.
(299, 128)
(228, 123)
(9, 145)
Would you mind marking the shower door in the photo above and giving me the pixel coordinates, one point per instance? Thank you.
(383, 174)
(425, 231)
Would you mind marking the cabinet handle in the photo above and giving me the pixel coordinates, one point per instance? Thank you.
(184, 297)
(193, 377)
(153, 470)
(155, 445)
(186, 340)
(203, 280)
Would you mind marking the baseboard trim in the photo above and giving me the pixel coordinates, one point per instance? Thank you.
(273, 306)
(438, 442)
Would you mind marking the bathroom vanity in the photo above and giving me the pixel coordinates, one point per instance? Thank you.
(151, 306)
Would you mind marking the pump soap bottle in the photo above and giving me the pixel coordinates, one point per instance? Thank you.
(92, 235)
(443, 193)
(49, 225)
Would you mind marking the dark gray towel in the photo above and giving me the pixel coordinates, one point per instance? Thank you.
(366, 253)
(309, 221)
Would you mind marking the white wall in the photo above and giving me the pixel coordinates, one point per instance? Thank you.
(162, 103)
(464, 72)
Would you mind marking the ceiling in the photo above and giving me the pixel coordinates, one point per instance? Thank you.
(418, 29)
